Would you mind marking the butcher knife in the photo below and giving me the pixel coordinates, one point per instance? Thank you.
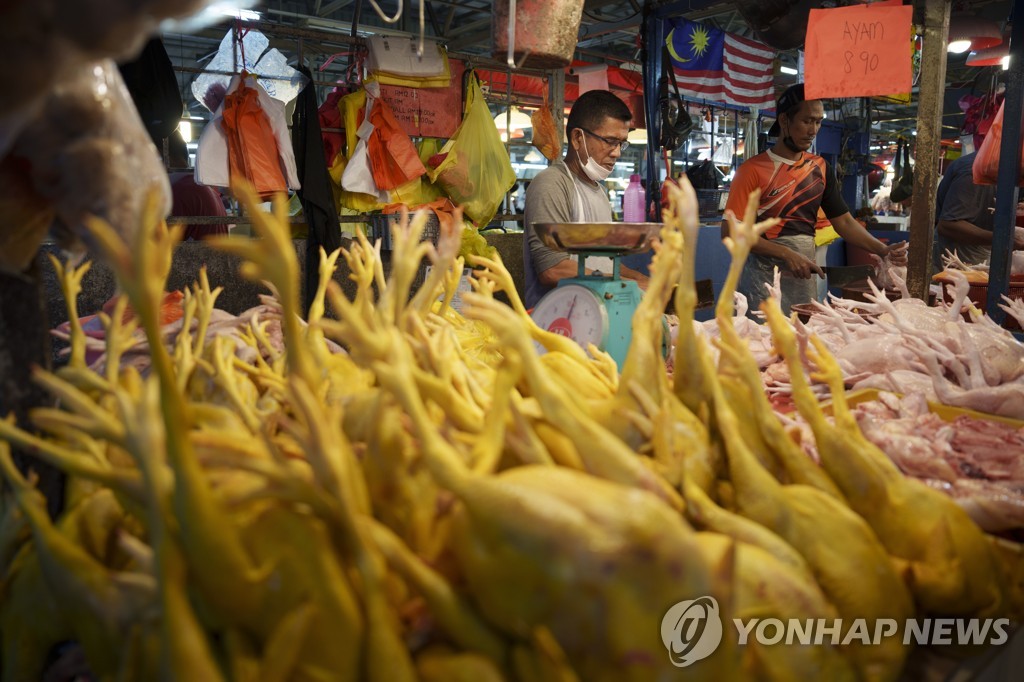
(705, 296)
(705, 293)
(840, 276)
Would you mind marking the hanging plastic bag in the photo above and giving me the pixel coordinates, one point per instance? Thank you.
(986, 163)
(252, 145)
(352, 107)
(250, 50)
(475, 171)
(420, 191)
(213, 162)
(546, 137)
(358, 175)
(394, 61)
(393, 157)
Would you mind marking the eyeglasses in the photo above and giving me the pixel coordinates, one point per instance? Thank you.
(611, 142)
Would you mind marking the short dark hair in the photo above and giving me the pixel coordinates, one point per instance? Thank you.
(788, 103)
(593, 107)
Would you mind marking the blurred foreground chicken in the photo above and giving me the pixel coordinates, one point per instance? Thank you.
(71, 141)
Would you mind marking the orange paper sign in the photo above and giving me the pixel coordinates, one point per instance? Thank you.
(858, 51)
(428, 112)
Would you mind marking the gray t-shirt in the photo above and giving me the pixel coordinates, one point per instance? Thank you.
(555, 196)
(958, 198)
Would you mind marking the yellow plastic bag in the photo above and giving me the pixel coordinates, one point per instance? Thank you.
(475, 170)
(350, 106)
(420, 190)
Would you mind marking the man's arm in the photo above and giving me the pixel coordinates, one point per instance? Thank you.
(569, 268)
(561, 270)
(797, 264)
(966, 232)
(638, 277)
(855, 233)
(547, 201)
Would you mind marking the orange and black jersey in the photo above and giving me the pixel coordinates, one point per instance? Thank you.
(790, 190)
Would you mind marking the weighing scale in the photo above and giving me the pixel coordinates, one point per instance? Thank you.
(597, 308)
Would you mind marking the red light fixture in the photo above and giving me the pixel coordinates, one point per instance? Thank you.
(991, 56)
(968, 32)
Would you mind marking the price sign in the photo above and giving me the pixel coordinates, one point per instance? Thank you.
(428, 112)
(858, 51)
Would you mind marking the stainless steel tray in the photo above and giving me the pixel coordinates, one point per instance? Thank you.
(620, 238)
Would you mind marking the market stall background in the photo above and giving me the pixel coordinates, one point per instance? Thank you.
(861, 136)
(608, 34)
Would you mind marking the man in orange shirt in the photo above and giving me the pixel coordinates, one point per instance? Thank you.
(794, 184)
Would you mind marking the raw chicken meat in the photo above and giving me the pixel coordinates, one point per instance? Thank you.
(906, 346)
(978, 462)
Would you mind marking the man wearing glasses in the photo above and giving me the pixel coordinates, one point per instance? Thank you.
(571, 190)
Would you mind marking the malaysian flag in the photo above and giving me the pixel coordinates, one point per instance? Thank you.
(720, 66)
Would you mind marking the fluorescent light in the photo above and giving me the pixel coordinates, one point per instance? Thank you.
(185, 128)
(1005, 62)
(211, 14)
(789, 70)
(244, 14)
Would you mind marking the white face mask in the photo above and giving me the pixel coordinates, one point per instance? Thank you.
(593, 169)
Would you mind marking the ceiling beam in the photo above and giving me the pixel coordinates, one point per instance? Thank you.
(597, 34)
(330, 7)
(469, 40)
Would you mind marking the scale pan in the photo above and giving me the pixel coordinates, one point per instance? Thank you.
(621, 238)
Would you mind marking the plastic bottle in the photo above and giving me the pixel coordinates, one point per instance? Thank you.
(634, 201)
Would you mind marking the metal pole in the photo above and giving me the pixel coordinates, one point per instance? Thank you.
(654, 37)
(1009, 172)
(929, 123)
(508, 122)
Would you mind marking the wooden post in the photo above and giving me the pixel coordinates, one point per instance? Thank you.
(929, 138)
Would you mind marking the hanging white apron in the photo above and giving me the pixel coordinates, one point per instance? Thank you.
(601, 265)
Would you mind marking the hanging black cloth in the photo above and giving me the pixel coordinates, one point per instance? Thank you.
(903, 176)
(316, 196)
(676, 123)
(153, 86)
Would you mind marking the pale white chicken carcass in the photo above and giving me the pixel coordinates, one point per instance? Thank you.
(43, 42)
(88, 152)
(71, 142)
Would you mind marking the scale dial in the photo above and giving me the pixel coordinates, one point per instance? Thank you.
(574, 311)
